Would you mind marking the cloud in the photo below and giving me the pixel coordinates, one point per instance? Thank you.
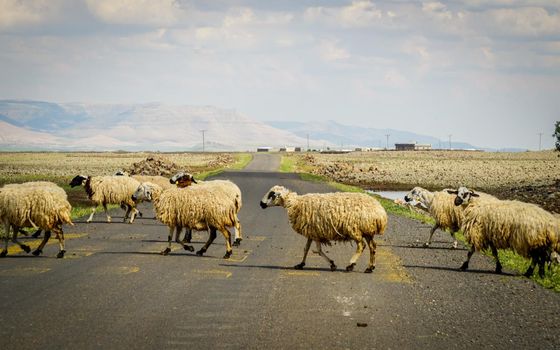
(330, 51)
(15, 13)
(360, 13)
(522, 22)
(136, 12)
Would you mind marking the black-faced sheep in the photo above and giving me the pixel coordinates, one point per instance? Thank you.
(324, 218)
(525, 228)
(197, 208)
(34, 206)
(103, 190)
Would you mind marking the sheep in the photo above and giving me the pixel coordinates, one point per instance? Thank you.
(109, 190)
(525, 228)
(198, 208)
(59, 191)
(323, 218)
(441, 206)
(230, 189)
(34, 206)
(161, 181)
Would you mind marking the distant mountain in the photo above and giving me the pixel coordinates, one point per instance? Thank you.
(351, 136)
(151, 126)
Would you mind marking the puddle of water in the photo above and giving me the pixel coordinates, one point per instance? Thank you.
(390, 194)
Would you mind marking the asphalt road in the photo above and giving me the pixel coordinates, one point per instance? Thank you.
(114, 291)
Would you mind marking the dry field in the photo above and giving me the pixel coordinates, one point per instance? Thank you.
(62, 167)
(528, 176)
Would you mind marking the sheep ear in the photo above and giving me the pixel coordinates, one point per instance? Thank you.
(475, 194)
(452, 192)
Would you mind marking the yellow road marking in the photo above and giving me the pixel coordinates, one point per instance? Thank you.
(302, 273)
(392, 263)
(219, 273)
(19, 271)
(255, 238)
(15, 249)
(116, 270)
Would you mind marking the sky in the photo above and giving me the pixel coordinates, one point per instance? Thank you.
(484, 72)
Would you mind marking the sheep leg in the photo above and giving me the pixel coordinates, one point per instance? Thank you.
(60, 237)
(227, 236)
(106, 212)
(133, 214)
(359, 249)
(91, 215)
(210, 240)
(495, 254)
(466, 263)
(305, 251)
(178, 229)
(25, 247)
(320, 251)
(372, 246)
(127, 213)
(37, 233)
(427, 244)
(455, 243)
(237, 233)
(188, 235)
(39, 249)
(6, 238)
(169, 236)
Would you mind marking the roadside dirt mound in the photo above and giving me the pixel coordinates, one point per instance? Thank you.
(220, 161)
(547, 196)
(154, 165)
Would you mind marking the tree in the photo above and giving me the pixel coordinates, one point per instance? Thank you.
(557, 135)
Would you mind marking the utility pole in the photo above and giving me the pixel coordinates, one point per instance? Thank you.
(540, 139)
(307, 142)
(449, 140)
(202, 131)
(387, 142)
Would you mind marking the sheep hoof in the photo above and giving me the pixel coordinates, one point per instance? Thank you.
(464, 267)
(528, 273)
(454, 245)
(88, 221)
(36, 234)
(369, 269)
(37, 252)
(189, 248)
(60, 254)
(201, 252)
(139, 214)
(25, 248)
(427, 244)
(166, 251)
(349, 267)
(227, 255)
(498, 270)
(186, 240)
(3, 254)
(333, 266)
(299, 266)
(109, 219)
(237, 242)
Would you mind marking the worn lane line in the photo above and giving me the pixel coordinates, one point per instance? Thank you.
(15, 249)
(215, 273)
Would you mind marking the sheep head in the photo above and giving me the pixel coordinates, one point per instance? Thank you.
(464, 195)
(78, 180)
(274, 197)
(144, 192)
(182, 179)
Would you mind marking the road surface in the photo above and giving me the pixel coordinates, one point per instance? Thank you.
(113, 290)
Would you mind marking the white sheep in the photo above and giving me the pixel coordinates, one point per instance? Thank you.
(161, 181)
(525, 228)
(196, 208)
(228, 188)
(324, 218)
(109, 190)
(41, 207)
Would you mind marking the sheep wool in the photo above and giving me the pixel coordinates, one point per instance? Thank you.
(525, 228)
(323, 218)
(31, 205)
(103, 190)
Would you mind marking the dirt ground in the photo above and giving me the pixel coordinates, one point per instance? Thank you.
(527, 176)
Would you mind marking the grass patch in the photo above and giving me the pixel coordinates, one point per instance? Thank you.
(241, 161)
(508, 259)
(287, 164)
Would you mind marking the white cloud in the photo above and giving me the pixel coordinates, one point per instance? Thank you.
(330, 51)
(360, 13)
(137, 12)
(15, 13)
(524, 22)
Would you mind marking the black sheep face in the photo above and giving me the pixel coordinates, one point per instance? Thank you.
(78, 180)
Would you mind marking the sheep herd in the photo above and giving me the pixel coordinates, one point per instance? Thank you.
(184, 203)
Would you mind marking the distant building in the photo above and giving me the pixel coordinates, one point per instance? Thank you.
(287, 149)
(412, 147)
(264, 149)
